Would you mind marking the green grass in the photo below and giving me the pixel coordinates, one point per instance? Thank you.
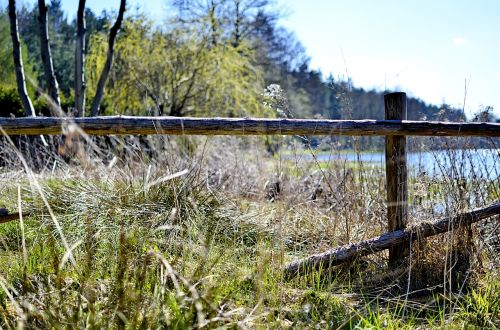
(184, 254)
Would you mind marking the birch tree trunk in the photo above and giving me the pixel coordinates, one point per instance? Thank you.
(48, 67)
(109, 61)
(18, 62)
(80, 60)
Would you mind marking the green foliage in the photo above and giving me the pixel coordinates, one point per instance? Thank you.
(42, 107)
(62, 40)
(212, 59)
(175, 73)
(196, 251)
(481, 306)
(320, 307)
(10, 102)
(7, 73)
(232, 85)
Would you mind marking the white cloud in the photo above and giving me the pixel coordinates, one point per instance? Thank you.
(458, 41)
(498, 74)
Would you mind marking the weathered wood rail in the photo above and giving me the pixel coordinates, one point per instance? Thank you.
(387, 241)
(127, 125)
(395, 129)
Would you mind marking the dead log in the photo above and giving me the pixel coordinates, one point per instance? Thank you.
(80, 60)
(349, 252)
(5, 216)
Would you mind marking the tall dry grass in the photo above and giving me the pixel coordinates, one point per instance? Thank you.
(192, 232)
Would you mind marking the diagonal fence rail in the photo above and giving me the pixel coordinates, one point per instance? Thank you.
(387, 241)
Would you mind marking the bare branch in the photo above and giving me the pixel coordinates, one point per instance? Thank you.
(109, 61)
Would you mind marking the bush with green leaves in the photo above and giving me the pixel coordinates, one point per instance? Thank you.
(10, 103)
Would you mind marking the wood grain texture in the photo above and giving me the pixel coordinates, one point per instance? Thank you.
(396, 175)
(131, 125)
(349, 252)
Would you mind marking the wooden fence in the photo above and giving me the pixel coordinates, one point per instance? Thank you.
(395, 128)
(128, 125)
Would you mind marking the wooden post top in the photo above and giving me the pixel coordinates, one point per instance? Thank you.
(395, 106)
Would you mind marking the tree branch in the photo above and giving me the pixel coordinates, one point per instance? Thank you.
(99, 94)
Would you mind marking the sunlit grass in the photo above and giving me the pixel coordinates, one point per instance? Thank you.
(206, 248)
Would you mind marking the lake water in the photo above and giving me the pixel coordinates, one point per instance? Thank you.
(484, 163)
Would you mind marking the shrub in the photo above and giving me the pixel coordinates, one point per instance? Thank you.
(10, 102)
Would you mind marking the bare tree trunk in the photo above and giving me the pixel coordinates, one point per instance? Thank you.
(213, 22)
(237, 25)
(80, 60)
(50, 77)
(18, 62)
(109, 61)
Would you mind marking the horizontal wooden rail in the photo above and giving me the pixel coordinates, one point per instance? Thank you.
(347, 253)
(127, 125)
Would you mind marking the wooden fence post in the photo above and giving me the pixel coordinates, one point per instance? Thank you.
(396, 175)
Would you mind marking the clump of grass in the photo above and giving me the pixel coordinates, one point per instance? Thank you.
(183, 234)
(481, 306)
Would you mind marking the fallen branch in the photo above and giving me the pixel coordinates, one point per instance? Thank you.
(349, 252)
(5, 216)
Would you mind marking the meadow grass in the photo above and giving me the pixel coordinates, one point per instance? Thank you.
(193, 233)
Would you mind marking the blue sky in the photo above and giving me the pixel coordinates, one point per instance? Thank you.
(427, 48)
(431, 49)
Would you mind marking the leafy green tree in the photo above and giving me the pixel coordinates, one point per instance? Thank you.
(7, 74)
(176, 72)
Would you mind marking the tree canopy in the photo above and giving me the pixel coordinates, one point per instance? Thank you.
(212, 58)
